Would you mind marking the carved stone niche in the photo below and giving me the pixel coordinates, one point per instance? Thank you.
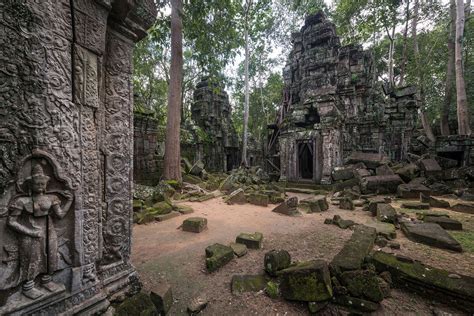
(66, 152)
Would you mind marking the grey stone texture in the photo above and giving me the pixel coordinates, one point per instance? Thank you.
(67, 144)
(333, 108)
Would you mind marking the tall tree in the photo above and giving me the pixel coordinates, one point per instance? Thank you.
(448, 90)
(461, 98)
(248, 4)
(416, 51)
(405, 46)
(172, 170)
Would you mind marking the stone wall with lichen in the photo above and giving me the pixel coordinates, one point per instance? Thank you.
(336, 106)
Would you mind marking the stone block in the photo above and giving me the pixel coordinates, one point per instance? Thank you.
(385, 230)
(236, 197)
(248, 283)
(240, 250)
(195, 224)
(258, 199)
(371, 160)
(306, 281)
(384, 170)
(434, 202)
(445, 222)
(217, 256)
(430, 166)
(356, 305)
(342, 223)
(386, 213)
(412, 191)
(136, 305)
(315, 204)
(276, 260)
(289, 207)
(380, 184)
(353, 253)
(252, 241)
(346, 204)
(162, 296)
(415, 205)
(430, 234)
(373, 202)
(164, 217)
(342, 173)
(363, 284)
(463, 208)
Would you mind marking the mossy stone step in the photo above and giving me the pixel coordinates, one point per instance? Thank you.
(252, 241)
(195, 224)
(217, 256)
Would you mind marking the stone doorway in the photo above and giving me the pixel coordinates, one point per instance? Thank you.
(305, 159)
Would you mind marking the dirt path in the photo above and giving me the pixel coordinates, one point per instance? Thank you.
(164, 253)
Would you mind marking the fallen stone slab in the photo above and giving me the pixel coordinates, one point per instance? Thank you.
(408, 172)
(386, 213)
(195, 224)
(289, 207)
(384, 170)
(415, 205)
(236, 197)
(346, 203)
(362, 173)
(252, 241)
(380, 184)
(339, 186)
(463, 208)
(434, 202)
(314, 204)
(412, 191)
(386, 230)
(373, 202)
(421, 214)
(370, 160)
(433, 283)
(355, 305)
(342, 173)
(276, 260)
(354, 251)
(217, 256)
(185, 210)
(430, 234)
(430, 166)
(258, 199)
(342, 223)
(240, 250)
(363, 284)
(164, 217)
(248, 283)
(138, 304)
(445, 222)
(162, 296)
(306, 281)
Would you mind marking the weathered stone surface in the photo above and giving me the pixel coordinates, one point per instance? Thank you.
(346, 204)
(197, 168)
(412, 190)
(386, 230)
(236, 197)
(372, 161)
(415, 205)
(316, 307)
(384, 170)
(434, 202)
(197, 305)
(217, 256)
(276, 260)
(431, 234)
(428, 281)
(195, 224)
(359, 203)
(289, 207)
(444, 222)
(258, 199)
(373, 202)
(162, 296)
(408, 172)
(363, 284)
(306, 281)
(137, 305)
(240, 250)
(342, 223)
(381, 184)
(315, 204)
(248, 283)
(386, 213)
(430, 166)
(342, 173)
(356, 305)
(252, 241)
(463, 208)
(354, 251)
(164, 217)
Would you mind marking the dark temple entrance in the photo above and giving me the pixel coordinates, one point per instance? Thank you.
(305, 159)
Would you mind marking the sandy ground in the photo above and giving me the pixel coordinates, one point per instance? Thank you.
(162, 252)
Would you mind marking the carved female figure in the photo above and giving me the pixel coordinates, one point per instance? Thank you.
(32, 217)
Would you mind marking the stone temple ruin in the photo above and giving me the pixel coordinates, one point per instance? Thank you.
(333, 107)
(65, 168)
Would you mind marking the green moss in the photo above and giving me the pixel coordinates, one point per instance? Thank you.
(272, 289)
(308, 288)
(174, 184)
(465, 238)
(137, 305)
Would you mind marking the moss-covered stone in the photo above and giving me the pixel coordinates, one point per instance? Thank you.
(195, 224)
(162, 297)
(276, 260)
(184, 209)
(415, 205)
(430, 234)
(272, 289)
(258, 199)
(138, 305)
(252, 241)
(346, 204)
(306, 281)
(363, 284)
(217, 256)
(386, 213)
(240, 250)
(314, 204)
(356, 305)
(248, 283)
(236, 197)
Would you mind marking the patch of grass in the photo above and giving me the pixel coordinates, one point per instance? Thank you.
(465, 238)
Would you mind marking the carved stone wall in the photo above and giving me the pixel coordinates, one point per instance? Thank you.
(66, 152)
(211, 111)
(335, 107)
(147, 155)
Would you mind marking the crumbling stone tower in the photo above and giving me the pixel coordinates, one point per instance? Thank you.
(334, 107)
(211, 111)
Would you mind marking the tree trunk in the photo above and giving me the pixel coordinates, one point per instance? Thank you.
(448, 90)
(420, 97)
(405, 47)
(461, 98)
(246, 105)
(172, 168)
(390, 57)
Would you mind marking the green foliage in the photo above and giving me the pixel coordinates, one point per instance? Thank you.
(465, 238)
